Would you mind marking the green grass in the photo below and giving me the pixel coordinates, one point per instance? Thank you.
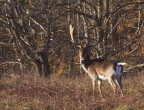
(29, 92)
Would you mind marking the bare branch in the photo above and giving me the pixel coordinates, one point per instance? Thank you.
(6, 44)
(39, 25)
(135, 67)
(7, 62)
(126, 4)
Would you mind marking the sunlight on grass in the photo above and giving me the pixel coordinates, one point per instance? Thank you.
(4, 104)
(124, 107)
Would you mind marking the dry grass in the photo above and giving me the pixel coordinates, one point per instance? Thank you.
(26, 92)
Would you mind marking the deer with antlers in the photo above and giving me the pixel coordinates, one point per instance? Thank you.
(100, 69)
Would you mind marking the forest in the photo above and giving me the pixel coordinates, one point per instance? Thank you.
(39, 54)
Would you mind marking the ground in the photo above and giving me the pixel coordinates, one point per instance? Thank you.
(30, 92)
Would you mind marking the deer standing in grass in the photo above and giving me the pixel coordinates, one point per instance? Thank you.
(100, 69)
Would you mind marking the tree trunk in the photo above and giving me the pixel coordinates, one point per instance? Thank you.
(100, 32)
(71, 49)
(85, 25)
(106, 21)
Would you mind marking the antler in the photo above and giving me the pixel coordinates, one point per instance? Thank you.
(71, 28)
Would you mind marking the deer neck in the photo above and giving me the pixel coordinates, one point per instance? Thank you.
(86, 62)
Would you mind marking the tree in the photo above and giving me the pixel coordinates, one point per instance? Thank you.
(37, 32)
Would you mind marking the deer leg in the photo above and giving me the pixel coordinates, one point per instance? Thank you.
(93, 83)
(99, 87)
(112, 85)
(119, 84)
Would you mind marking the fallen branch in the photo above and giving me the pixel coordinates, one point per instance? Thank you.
(9, 63)
(6, 44)
(135, 67)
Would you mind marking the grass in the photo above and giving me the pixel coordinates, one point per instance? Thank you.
(29, 92)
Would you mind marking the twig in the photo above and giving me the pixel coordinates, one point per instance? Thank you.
(39, 25)
(9, 63)
(134, 67)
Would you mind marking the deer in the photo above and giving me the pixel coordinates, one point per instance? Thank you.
(100, 69)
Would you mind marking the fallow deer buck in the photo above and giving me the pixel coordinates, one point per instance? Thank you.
(100, 69)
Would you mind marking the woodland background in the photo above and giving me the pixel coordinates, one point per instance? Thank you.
(35, 41)
(34, 35)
